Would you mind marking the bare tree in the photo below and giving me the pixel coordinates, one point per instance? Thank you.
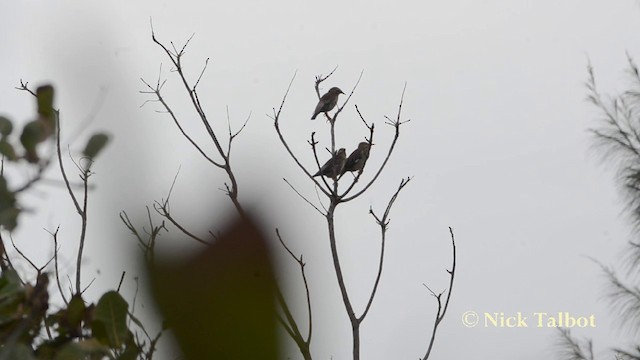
(336, 196)
(337, 191)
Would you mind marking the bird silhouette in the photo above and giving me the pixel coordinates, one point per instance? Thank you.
(333, 167)
(357, 159)
(327, 102)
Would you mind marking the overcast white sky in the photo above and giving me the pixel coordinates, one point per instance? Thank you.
(497, 142)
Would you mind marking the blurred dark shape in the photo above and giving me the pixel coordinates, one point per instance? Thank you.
(96, 143)
(357, 159)
(39, 130)
(327, 102)
(33, 133)
(45, 95)
(6, 127)
(334, 166)
(109, 323)
(220, 303)
(9, 209)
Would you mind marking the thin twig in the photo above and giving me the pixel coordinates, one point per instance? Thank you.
(162, 208)
(83, 229)
(383, 223)
(276, 123)
(121, 280)
(169, 110)
(442, 310)
(303, 197)
(320, 79)
(396, 124)
(292, 329)
(353, 90)
(56, 249)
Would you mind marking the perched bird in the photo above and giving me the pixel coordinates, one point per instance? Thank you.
(333, 167)
(357, 159)
(327, 102)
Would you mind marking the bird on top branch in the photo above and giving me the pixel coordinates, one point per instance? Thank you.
(327, 102)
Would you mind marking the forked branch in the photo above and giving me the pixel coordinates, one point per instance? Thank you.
(442, 307)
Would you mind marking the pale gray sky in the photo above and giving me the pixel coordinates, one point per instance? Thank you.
(497, 143)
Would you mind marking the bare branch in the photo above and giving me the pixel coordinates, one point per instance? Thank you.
(176, 58)
(206, 62)
(62, 170)
(147, 246)
(121, 280)
(24, 257)
(292, 329)
(24, 87)
(320, 79)
(56, 249)
(353, 90)
(396, 124)
(83, 231)
(442, 310)
(163, 210)
(169, 110)
(303, 197)
(276, 123)
(383, 223)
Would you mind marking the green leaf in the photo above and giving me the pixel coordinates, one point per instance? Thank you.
(7, 150)
(74, 313)
(6, 126)
(9, 218)
(7, 198)
(45, 95)
(96, 143)
(33, 133)
(8, 210)
(109, 323)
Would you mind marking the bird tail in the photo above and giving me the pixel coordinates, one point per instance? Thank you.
(314, 116)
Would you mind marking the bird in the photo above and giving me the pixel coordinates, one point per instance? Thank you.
(333, 167)
(327, 102)
(357, 159)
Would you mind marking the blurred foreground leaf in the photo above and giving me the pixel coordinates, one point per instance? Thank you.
(96, 143)
(33, 133)
(220, 303)
(6, 127)
(7, 150)
(109, 324)
(45, 95)
(8, 206)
